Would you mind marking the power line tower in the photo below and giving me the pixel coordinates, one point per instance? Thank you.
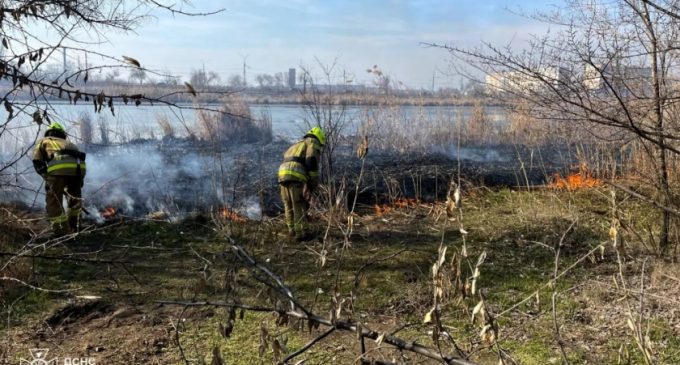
(245, 66)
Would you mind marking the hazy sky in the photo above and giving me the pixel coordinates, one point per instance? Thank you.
(274, 35)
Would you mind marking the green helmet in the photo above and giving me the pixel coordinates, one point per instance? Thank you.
(319, 134)
(54, 126)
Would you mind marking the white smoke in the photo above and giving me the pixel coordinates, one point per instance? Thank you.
(150, 177)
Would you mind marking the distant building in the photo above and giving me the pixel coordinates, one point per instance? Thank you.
(622, 80)
(520, 81)
(351, 88)
(291, 78)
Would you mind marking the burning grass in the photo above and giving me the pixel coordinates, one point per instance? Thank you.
(580, 180)
(108, 213)
(397, 204)
(230, 215)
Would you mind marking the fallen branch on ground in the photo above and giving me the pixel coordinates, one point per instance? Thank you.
(298, 311)
(338, 325)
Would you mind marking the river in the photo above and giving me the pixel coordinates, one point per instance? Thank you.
(141, 122)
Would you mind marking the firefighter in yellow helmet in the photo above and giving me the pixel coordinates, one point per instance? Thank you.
(299, 177)
(62, 166)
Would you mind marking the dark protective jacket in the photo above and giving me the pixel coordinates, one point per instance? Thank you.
(53, 156)
(301, 163)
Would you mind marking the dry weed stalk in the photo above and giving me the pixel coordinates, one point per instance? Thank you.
(558, 336)
(233, 123)
(85, 128)
(104, 131)
(166, 127)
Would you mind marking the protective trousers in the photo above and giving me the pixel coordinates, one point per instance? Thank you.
(295, 207)
(56, 187)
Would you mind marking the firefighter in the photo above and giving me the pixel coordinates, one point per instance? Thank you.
(299, 178)
(62, 166)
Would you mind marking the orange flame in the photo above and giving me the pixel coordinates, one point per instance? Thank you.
(381, 210)
(400, 203)
(579, 180)
(230, 215)
(109, 212)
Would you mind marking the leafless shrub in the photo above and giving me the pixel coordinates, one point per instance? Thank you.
(85, 128)
(234, 123)
(523, 128)
(165, 125)
(477, 128)
(104, 131)
(393, 129)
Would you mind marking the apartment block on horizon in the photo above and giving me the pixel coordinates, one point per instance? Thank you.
(520, 81)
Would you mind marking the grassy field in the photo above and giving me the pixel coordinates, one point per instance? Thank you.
(116, 273)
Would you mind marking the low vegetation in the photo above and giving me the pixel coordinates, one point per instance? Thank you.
(556, 286)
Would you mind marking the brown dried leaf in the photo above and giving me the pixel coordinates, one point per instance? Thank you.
(487, 334)
(380, 339)
(131, 61)
(264, 343)
(8, 107)
(362, 150)
(477, 309)
(282, 319)
(190, 89)
(428, 316)
(37, 117)
(276, 350)
(217, 357)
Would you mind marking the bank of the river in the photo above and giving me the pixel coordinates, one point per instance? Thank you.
(115, 274)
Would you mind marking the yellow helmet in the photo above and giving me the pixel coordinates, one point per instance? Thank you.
(55, 130)
(54, 126)
(319, 134)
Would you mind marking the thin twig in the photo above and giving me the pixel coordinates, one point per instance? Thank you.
(179, 344)
(553, 301)
(7, 278)
(308, 345)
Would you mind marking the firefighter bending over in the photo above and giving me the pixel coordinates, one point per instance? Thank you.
(299, 178)
(62, 166)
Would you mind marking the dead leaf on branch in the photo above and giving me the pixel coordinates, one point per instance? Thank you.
(190, 89)
(380, 339)
(276, 350)
(217, 357)
(362, 150)
(264, 343)
(131, 61)
(225, 331)
(9, 108)
(428, 316)
(479, 309)
(37, 117)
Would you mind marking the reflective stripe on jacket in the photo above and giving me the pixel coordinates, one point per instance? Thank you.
(60, 157)
(301, 162)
